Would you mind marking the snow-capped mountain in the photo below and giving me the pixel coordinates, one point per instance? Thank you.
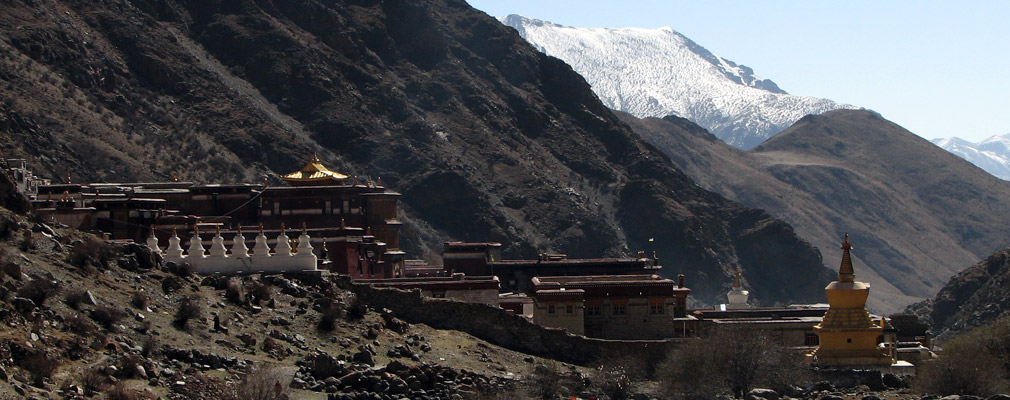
(992, 154)
(659, 72)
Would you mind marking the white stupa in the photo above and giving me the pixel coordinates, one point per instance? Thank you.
(737, 297)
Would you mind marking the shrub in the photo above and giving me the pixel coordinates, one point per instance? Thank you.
(235, 292)
(189, 308)
(613, 382)
(731, 359)
(259, 291)
(90, 252)
(75, 297)
(76, 323)
(356, 309)
(107, 316)
(148, 345)
(38, 290)
(264, 384)
(139, 300)
(330, 311)
(92, 380)
(40, 366)
(972, 363)
(120, 392)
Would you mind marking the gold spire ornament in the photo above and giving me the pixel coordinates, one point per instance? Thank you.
(845, 272)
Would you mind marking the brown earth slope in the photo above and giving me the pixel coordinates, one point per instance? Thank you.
(915, 213)
(488, 139)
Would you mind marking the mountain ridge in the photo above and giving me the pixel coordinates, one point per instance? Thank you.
(916, 214)
(992, 154)
(659, 72)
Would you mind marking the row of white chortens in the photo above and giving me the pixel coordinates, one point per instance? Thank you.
(238, 259)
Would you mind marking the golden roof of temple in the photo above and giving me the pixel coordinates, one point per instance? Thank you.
(314, 171)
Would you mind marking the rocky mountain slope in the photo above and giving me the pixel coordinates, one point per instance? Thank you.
(145, 329)
(659, 72)
(916, 213)
(992, 154)
(487, 138)
(974, 297)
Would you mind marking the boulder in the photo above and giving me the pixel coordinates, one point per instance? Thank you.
(766, 394)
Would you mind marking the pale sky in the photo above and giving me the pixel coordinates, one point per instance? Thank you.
(939, 69)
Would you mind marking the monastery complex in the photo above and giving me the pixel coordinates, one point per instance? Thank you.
(322, 220)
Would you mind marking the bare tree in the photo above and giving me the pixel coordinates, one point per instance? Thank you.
(730, 359)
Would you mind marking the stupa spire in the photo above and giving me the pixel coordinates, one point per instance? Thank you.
(845, 271)
(736, 280)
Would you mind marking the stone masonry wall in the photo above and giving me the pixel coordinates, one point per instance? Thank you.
(502, 328)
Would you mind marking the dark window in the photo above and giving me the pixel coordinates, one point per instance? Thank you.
(620, 308)
(438, 294)
(550, 309)
(849, 340)
(811, 339)
(593, 309)
(655, 308)
(569, 309)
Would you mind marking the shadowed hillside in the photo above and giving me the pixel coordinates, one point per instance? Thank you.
(488, 139)
(916, 213)
(974, 297)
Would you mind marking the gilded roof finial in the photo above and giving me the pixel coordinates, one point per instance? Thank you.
(342, 224)
(378, 181)
(282, 228)
(315, 157)
(217, 230)
(174, 234)
(845, 272)
(736, 280)
(239, 230)
(304, 230)
(261, 229)
(151, 233)
(196, 229)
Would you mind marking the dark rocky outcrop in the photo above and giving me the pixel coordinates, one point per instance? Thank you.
(488, 139)
(974, 297)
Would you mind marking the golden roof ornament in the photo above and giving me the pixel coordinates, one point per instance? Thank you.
(261, 229)
(151, 233)
(313, 172)
(736, 280)
(238, 230)
(282, 228)
(304, 230)
(845, 272)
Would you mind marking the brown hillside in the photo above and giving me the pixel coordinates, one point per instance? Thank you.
(916, 213)
(488, 139)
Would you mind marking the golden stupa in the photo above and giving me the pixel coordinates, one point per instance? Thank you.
(848, 336)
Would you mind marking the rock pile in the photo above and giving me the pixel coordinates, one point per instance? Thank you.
(347, 379)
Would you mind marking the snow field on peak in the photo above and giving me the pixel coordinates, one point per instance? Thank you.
(659, 72)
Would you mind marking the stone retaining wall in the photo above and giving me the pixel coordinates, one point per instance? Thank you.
(503, 328)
